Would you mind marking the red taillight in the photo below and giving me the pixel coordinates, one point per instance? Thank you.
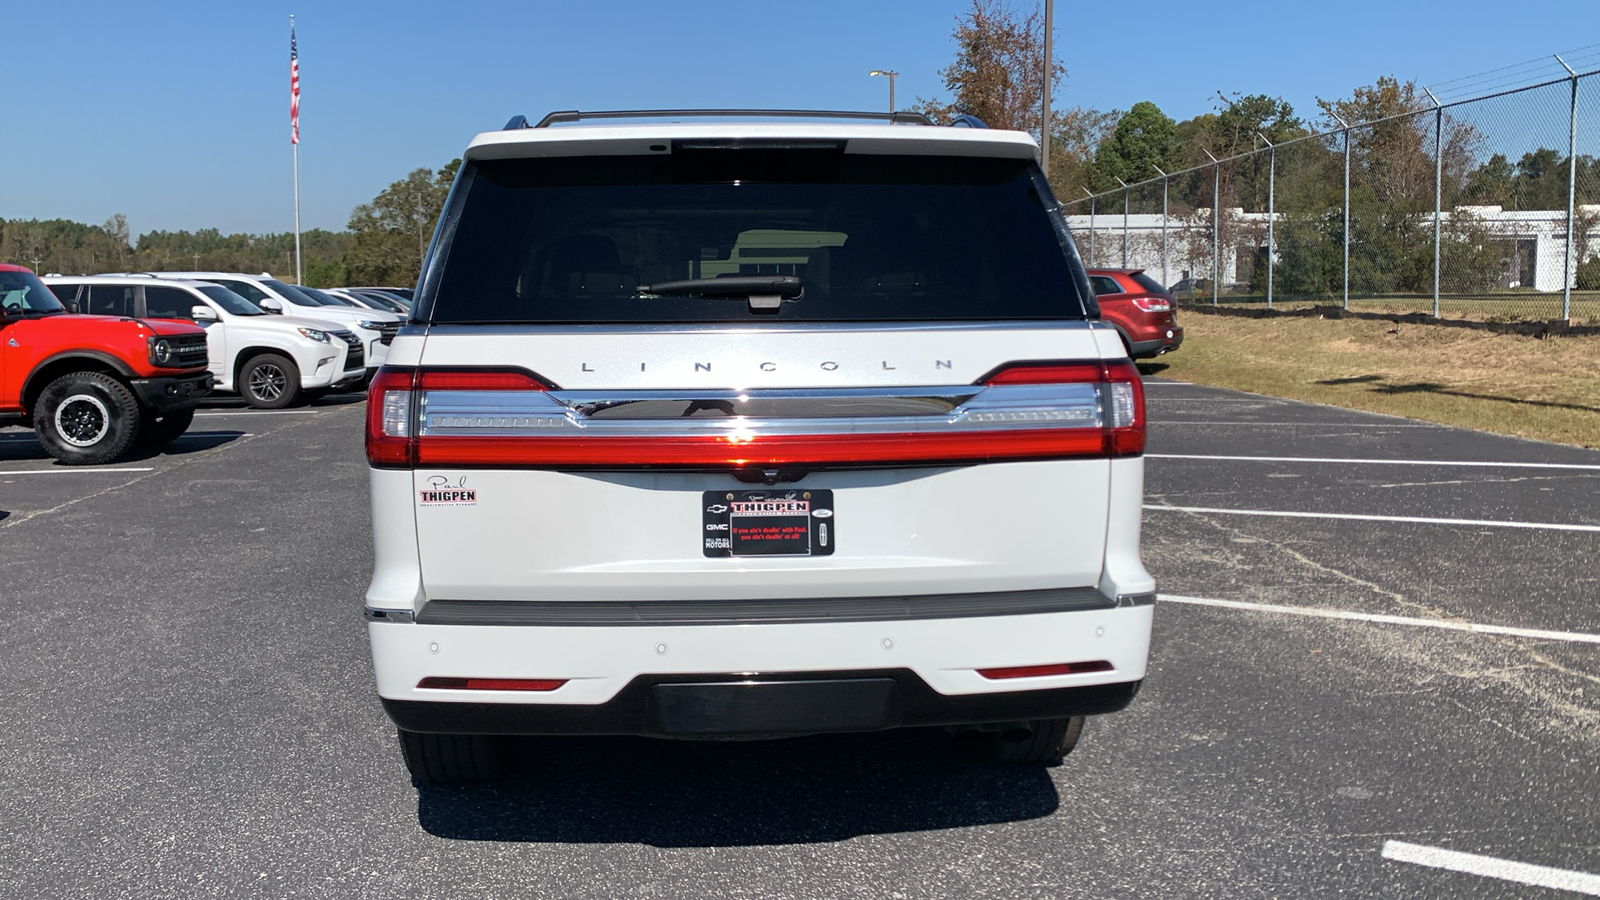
(433, 417)
(1046, 373)
(1123, 394)
(1076, 668)
(435, 682)
(1153, 304)
(479, 380)
(390, 419)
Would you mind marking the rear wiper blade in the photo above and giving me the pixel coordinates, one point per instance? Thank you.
(765, 292)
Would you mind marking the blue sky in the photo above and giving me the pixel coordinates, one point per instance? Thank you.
(176, 114)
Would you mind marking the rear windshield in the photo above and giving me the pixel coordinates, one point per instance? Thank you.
(1149, 284)
(886, 238)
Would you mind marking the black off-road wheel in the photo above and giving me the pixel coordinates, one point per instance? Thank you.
(86, 418)
(1046, 742)
(156, 433)
(269, 381)
(455, 758)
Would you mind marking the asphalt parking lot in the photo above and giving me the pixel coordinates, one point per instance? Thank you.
(1376, 651)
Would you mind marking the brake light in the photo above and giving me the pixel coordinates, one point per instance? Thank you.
(1153, 304)
(513, 418)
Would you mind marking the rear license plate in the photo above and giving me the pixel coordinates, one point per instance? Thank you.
(768, 523)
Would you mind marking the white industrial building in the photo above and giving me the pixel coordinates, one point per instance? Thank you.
(1535, 242)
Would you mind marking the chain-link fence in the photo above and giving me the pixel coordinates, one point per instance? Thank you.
(1487, 207)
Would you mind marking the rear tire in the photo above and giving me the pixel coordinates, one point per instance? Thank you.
(157, 433)
(86, 418)
(454, 758)
(269, 381)
(1047, 742)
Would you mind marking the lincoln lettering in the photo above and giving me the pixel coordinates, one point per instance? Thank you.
(826, 366)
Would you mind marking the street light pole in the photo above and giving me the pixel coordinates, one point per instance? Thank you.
(1164, 177)
(1272, 212)
(1049, 71)
(891, 75)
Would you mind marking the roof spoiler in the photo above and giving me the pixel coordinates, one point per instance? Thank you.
(904, 117)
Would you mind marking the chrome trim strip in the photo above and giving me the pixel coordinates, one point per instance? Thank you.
(1136, 599)
(373, 614)
(452, 413)
(785, 403)
(446, 328)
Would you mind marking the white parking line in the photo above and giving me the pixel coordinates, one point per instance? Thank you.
(1493, 867)
(1169, 384)
(75, 470)
(1165, 422)
(263, 412)
(1415, 520)
(1575, 637)
(1379, 462)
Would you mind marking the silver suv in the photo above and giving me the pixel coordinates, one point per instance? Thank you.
(753, 429)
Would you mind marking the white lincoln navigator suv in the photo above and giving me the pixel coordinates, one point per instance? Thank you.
(745, 429)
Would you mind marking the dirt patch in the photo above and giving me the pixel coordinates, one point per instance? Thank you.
(1542, 384)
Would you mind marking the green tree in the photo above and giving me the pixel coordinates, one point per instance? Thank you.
(390, 234)
(1144, 138)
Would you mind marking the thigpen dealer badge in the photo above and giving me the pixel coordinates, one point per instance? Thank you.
(440, 492)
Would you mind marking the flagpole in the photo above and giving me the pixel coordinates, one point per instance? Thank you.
(299, 277)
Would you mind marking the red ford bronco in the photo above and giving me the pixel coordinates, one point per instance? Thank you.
(93, 385)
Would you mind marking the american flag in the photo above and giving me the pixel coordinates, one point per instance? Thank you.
(294, 88)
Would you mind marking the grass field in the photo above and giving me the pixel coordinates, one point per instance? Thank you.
(1547, 388)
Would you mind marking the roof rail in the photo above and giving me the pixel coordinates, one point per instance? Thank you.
(573, 115)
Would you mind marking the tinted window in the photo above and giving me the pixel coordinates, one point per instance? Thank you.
(230, 301)
(110, 300)
(323, 297)
(1104, 284)
(870, 237)
(294, 294)
(1150, 284)
(244, 289)
(168, 302)
(66, 293)
(22, 292)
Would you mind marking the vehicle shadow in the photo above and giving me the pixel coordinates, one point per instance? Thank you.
(19, 446)
(189, 442)
(1380, 385)
(694, 794)
(1151, 368)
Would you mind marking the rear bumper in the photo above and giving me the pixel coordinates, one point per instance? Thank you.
(170, 394)
(623, 678)
(691, 705)
(1159, 345)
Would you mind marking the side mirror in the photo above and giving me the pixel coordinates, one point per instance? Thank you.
(271, 305)
(202, 313)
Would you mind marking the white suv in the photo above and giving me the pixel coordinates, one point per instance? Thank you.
(268, 360)
(751, 430)
(376, 329)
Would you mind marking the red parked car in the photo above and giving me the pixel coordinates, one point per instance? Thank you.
(92, 385)
(1140, 309)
